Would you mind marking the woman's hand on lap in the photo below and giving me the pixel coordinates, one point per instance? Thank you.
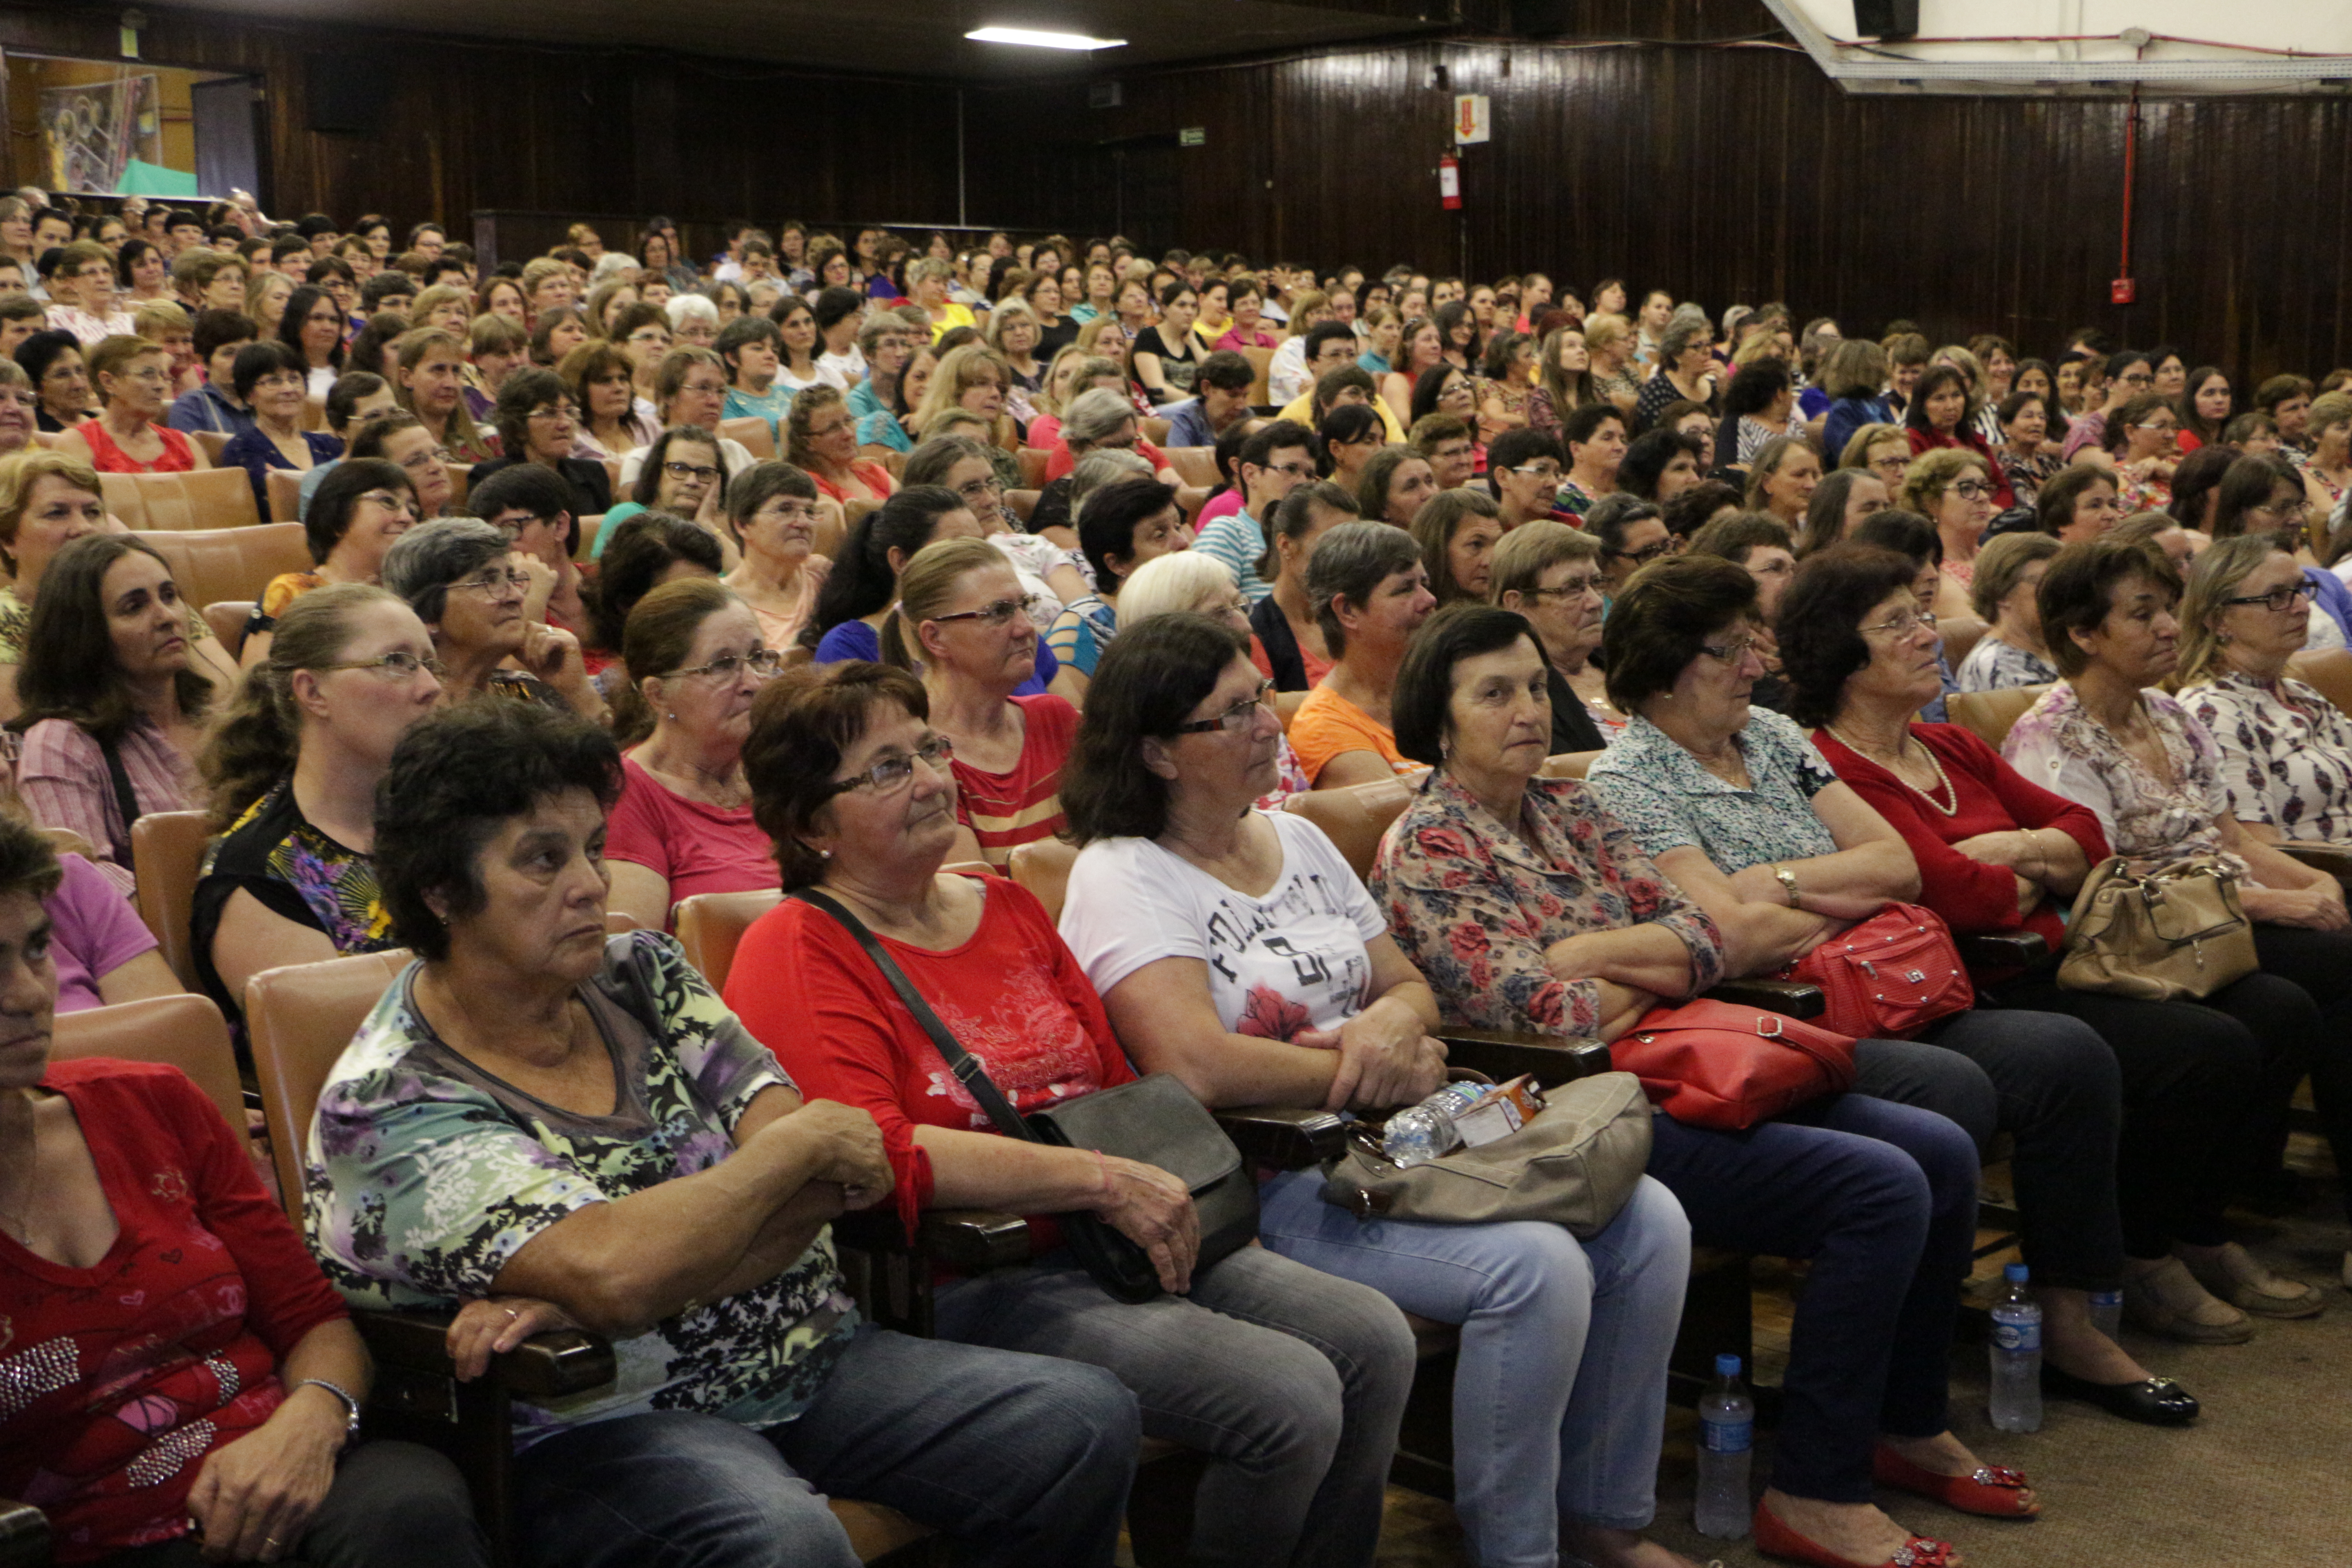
(254, 1498)
(1154, 1210)
(1385, 1058)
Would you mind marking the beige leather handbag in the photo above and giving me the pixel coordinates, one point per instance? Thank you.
(2177, 933)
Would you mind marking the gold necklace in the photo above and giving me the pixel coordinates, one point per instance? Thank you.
(1943, 780)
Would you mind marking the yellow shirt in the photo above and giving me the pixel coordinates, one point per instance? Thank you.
(957, 316)
(1302, 409)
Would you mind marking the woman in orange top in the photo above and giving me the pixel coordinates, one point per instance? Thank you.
(821, 435)
(1370, 591)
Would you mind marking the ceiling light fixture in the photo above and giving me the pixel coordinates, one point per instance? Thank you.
(1033, 38)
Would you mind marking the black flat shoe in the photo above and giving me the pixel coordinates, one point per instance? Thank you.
(2153, 1401)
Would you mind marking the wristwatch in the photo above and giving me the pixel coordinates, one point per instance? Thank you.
(350, 1406)
(1788, 880)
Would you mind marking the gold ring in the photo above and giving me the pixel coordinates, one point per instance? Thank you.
(513, 1314)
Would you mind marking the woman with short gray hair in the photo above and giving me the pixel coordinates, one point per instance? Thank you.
(1371, 592)
(457, 574)
(1686, 354)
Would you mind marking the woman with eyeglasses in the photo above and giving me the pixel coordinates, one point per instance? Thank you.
(2266, 495)
(1953, 489)
(293, 771)
(267, 378)
(361, 506)
(695, 658)
(1550, 573)
(2105, 739)
(774, 517)
(455, 573)
(963, 625)
(113, 702)
(133, 378)
(537, 422)
(1121, 526)
(685, 473)
(966, 465)
(2140, 447)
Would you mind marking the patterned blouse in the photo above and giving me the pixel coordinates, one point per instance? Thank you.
(424, 1175)
(1657, 789)
(2148, 820)
(295, 872)
(1993, 664)
(2286, 754)
(1474, 904)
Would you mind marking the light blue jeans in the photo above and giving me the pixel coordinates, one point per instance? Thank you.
(1559, 1393)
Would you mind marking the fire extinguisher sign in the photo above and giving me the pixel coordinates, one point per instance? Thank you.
(1473, 117)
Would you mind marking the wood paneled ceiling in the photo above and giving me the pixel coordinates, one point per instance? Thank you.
(914, 37)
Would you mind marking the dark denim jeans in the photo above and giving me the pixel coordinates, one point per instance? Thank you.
(393, 1505)
(1025, 1460)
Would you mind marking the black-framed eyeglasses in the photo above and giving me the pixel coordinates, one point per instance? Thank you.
(679, 470)
(397, 665)
(891, 773)
(763, 662)
(2282, 598)
(1644, 556)
(998, 613)
(1972, 489)
(1239, 716)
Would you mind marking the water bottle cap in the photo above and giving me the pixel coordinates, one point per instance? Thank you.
(1726, 1366)
(2014, 1273)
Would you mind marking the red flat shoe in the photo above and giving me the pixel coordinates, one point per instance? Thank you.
(1778, 1540)
(1991, 1490)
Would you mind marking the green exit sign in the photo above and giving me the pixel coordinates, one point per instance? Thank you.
(1193, 136)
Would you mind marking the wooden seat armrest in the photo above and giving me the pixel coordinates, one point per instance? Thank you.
(2002, 949)
(23, 1535)
(2333, 859)
(551, 1365)
(1504, 1054)
(1797, 998)
(969, 1241)
(1289, 1138)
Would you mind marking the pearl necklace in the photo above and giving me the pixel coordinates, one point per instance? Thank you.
(1942, 779)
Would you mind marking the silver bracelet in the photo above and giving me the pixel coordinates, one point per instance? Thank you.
(350, 1406)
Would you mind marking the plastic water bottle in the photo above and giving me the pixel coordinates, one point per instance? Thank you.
(2107, 1312)
(1416, 1136)
(2016, 1353)
(1727, 1432)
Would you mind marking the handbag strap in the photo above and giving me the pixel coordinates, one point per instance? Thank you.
(126, 799)
(961, 1062)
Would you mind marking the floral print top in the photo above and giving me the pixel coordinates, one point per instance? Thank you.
(2149, 821)
(295, 872)
(1657, 789)
(1474, 904)
(1993, 664)
(2286, 754)
(424, 1174)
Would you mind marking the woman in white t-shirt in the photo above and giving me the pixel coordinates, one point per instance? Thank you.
(1235, 949)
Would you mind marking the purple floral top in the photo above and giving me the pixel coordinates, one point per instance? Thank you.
(1474, 904)
(2286, 754)
(425, 1174)
(2149, 821)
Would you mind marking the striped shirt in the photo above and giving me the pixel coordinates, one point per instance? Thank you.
(64, 780)
(1023, 806)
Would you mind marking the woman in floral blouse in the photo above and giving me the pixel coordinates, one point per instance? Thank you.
(2153, 775)
(1528, 905)
(2010, 652)
(1235, 949)
(293, 769)
(576, 1128)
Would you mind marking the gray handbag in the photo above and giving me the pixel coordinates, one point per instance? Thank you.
(1574, 1163)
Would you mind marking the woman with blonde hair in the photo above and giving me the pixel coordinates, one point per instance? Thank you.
(820, 437)
(133, 378)
(1786, 473)
(446, 306)
(1564, 381)
(1610, 341)
(1952, 486)
(974, 378)
(1013, 332)
(429, 381)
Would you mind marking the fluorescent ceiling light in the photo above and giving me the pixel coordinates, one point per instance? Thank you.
(1037, 40)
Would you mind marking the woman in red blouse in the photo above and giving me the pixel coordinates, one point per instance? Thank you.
(133, 380)
(178, 1373)
(1999, 854)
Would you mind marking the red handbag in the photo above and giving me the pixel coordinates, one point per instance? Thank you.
(1715, 1064)
(1890, 977)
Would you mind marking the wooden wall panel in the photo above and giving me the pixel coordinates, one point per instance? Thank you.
(1740, 173)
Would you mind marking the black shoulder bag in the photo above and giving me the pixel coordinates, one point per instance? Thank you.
(1154, 1120)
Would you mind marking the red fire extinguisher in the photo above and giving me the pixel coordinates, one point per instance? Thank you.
(1449, 182)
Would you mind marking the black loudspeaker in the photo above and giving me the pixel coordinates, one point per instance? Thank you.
(1542, 18)
(1886, 18)
(347, 93)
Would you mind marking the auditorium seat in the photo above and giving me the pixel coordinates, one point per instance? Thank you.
(209, 498)
(285, 495)
(167, 850)
(1988, 715)
(1194, 465)
(757, 436)
(1033, 466)
(214, 564)
(1959, 634)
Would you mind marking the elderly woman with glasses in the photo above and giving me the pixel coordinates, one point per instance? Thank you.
(2264, 495)
(468, 1152)
(457, 573)
(695, 658)
(963, 624)
(1551, 575)
(1234, 949)
(1123, 525)
(1049, 572)
(537, 422)
(1530, 906)
(362, 505)
(293, 769)
(133, 378)
(1954, 489)
(2137, 758)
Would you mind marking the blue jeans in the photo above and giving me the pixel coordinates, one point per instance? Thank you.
(1025, 1460)
(1293, 1382)
(1883, 1199)
(1559, 1391)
